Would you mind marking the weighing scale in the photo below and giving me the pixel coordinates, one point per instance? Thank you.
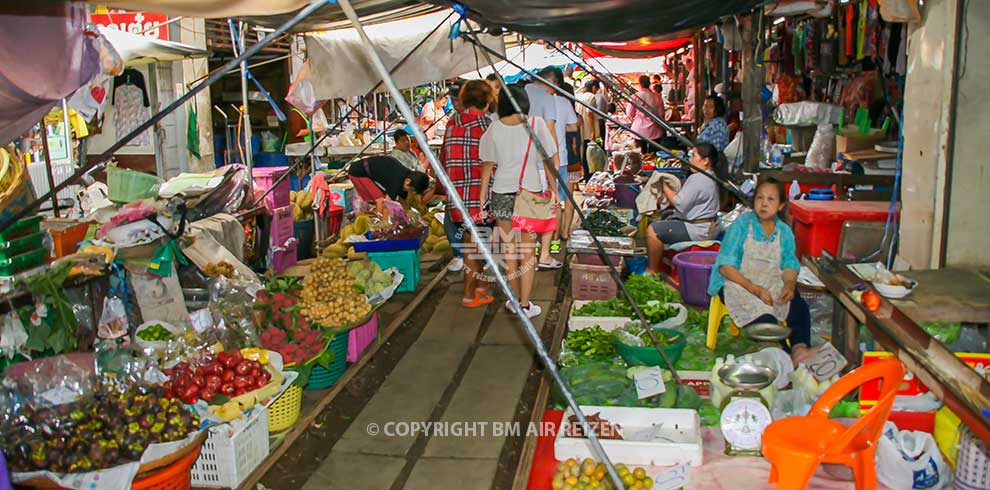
(767, 334)
(745, 413)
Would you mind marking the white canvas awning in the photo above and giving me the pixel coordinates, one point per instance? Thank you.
(341, 69)
(140, 50)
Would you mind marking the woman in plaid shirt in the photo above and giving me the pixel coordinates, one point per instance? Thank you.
(459, 157)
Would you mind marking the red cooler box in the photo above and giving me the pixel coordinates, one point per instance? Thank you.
(817, 224)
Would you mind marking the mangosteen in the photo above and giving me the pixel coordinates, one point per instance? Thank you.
(146, 422)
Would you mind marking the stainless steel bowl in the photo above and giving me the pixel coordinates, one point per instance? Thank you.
(746, 376)
(767, 332)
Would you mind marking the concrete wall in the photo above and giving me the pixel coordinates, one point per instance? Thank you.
(968, 240)
(927, 100)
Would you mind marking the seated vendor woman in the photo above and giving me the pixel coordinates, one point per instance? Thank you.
(376, 179)
(756, 271)
(695, 209)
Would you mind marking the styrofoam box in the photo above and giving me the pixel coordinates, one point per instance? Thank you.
(229, 456)
(678, 440)
(608, 323)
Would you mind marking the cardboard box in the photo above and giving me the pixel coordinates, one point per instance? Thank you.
(852, 140)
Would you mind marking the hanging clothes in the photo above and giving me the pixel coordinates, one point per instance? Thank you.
(130, 101)
(861, 30)
(850, 31)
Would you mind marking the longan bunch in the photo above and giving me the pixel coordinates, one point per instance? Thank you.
(328, 297)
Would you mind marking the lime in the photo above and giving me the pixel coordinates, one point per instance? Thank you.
(639, 474)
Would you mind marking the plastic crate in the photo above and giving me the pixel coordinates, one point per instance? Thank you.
(285, 256)
(361, 337)
(694, 269)
(126, 186)
(21, 228)
(229, 456)
(22, 262)
(406, 261)
(265, 177)
(335, 219)
(282, 227)
(284, 412)
(9, 249)
(65, 241)
(390, 245)
(590, 278)
(320, 377)
(817, 225)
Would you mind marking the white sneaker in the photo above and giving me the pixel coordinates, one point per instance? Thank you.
(456, 265)
(533, 311)
(508, 306)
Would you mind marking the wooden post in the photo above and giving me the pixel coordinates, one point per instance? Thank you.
(751, 97)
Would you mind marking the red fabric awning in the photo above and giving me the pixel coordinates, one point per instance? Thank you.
(644, 47)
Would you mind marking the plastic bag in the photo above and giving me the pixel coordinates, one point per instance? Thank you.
(726, 220)
(113, 321)
(909, 460)
(302, 94)
(900, 11)
(791, 403)
(57, 380)
(596, 158)
(821, 154)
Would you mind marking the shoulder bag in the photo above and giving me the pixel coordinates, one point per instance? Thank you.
(534, 212)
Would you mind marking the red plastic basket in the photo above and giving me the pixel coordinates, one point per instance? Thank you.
(175, 476)
(335, 219)
(590, 281)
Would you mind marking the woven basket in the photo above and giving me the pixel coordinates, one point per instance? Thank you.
(175, 476)
(284, 411)
(320, 377)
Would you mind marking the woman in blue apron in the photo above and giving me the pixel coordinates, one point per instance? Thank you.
(756, 271)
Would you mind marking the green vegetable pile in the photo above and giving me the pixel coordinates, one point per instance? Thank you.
(602, 223)
(944, 332)
(591, 343)
(609, 307)
(155, 333)
(656, 312)
(651, 288)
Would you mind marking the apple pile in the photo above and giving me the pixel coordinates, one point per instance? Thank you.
(229, 374)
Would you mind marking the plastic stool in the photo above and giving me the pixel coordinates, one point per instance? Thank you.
(716, 311)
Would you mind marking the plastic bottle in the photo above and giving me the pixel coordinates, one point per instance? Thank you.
(794, 191)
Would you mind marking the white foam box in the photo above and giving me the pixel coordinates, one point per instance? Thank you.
(677, 441)
(608, 323)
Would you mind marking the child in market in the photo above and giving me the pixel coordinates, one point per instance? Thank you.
(756, 271)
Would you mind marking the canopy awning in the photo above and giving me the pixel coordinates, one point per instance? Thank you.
(597, 20)
(641, 48)
(141, 50)
(340, 68)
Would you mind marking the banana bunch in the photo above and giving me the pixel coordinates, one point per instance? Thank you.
(302, 205)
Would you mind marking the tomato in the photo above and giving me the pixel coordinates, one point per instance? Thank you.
(241, 381)
(213, 382)
(230, 363)
(227, 376)
(260, 382)
(265, 375)
(199, 381)
(871, 300)
(254, 372)
(228, 389)
(208, 394)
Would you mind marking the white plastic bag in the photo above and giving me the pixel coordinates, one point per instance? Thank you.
(821, 154)
(301, 94)
(910, 460)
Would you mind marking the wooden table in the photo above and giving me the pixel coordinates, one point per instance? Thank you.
(963, 390)
(948, 295)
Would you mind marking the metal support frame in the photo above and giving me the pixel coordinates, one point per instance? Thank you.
(962, 389)
(48, 165)
(528, 327)
(93, 163)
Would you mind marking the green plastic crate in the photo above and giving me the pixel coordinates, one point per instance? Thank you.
(406, 261)
(22, 262)
(22, 227)
(126, 186)
(320, 377)
(9, 249)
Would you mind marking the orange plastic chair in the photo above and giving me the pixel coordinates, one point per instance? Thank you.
(795, 446)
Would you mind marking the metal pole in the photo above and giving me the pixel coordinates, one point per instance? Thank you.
(48, 166)
(68, 133)
(534, 337)
(106, 155)
(245, 110)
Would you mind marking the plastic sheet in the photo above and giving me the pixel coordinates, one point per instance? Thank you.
(821, 154)
(228, 197)
(806, 114)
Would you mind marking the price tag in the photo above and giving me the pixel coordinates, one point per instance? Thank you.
(676, 477)
(649, 382)
(826, 362)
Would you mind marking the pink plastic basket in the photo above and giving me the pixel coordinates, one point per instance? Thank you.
(285, 256)
(361, 337)
(283, 226)
(590, 278)
(264, 177)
